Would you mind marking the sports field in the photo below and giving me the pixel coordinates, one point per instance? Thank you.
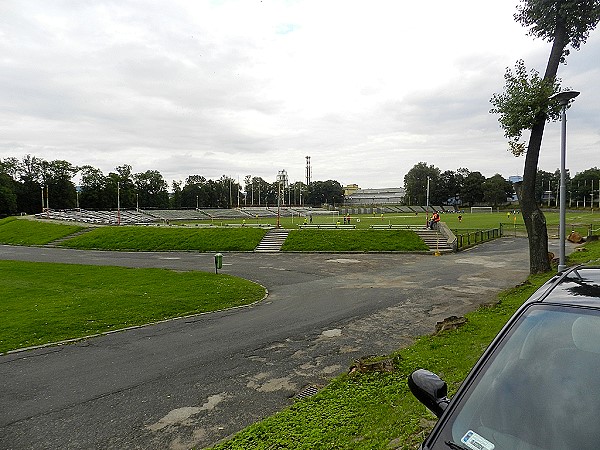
(467, 221)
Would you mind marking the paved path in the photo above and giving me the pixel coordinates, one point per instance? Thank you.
(194, 381)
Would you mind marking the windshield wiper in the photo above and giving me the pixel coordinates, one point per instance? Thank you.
(454, 445)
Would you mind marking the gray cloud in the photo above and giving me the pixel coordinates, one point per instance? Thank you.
(241, 88)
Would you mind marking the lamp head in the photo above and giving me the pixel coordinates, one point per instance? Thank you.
(564, 97)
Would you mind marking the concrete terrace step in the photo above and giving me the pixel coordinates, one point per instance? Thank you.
(272, 240)
(56, 242)
(434, 240)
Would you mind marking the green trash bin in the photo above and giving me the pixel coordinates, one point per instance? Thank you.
(218, 262)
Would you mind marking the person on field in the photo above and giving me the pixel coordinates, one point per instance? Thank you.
(435, 218)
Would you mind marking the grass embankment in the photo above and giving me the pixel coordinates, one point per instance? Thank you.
(586, 254)
(353, 241)
(377, 410)
(167, 238)
(43, 302)
(30, 232)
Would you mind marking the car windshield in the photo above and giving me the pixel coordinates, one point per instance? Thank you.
(539, 390)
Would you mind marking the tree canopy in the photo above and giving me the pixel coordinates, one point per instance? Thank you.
(525, 104)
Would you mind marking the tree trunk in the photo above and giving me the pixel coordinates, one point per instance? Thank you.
(534, 219)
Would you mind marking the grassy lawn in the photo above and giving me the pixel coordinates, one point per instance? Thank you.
(353, 240)
(377, 410)
(186, 236)
(31, 232)
(168, 238)
(42, 302)
(579, 220)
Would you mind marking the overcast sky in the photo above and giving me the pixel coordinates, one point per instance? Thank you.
(366, 88)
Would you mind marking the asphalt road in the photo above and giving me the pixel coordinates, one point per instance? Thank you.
(194, 381)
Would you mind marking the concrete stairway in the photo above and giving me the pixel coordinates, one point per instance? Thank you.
(434, 240)
(273, 240)
(56, 242)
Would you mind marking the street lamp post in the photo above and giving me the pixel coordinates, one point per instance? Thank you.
(563, 99)
(281, 180)
(118, 203)
(427, 206)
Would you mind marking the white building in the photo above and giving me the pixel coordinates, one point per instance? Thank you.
(384, 196)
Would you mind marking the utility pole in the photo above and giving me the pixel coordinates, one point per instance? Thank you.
(118, 203)
(427, 208)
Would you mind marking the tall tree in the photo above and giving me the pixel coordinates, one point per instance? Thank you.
(29, 192)
(176, 198)
(56, 176)
(197, 192)
(264, 193)
(8, 186)
(546, 184)
(298, 190)
(128, 194)
(472, 188)
(93, 189)
(415, 184)
(325, 192)
(449, 186)
(525, 103)
(496, 190)
(8, 197)
(582, 185)
(152, 189)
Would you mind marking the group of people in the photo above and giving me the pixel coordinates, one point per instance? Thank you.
(433, 223)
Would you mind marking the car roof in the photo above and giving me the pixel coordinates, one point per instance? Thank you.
(578, 286)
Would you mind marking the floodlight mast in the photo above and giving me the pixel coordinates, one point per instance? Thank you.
(563, 99)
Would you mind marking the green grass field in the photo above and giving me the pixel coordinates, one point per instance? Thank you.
(32, 232)
(168, 238)
(353, 241)
(579, 220)
(43, 302)
(188, 236)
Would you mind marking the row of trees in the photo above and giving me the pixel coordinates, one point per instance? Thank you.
(31, 184)
(460, 187)
(472, 188)
(582, 189)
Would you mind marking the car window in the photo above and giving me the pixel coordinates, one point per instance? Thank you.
(540, 389)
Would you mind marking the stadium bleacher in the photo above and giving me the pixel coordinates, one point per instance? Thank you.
(126, 217)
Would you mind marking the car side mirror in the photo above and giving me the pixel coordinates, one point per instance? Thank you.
(430, 390)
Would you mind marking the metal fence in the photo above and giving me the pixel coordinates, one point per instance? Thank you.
(468, 238)
(512, 229)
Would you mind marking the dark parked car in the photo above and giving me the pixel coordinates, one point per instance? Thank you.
(537, 386)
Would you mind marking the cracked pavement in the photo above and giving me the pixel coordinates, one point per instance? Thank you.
(194, 381)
